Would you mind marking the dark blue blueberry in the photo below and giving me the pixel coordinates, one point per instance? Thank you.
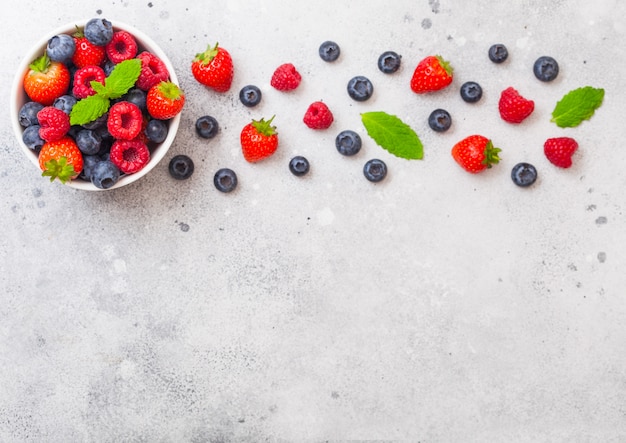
(89, 163)
(97, 123)
(27, 114)
(88, 141)
(389, 62)
(225, 180)
(61, 48)
(375, 170)
(498, 53)
(104, 174)
(348, 142)
(546, 68)
(524, 174)
(65, 103)
(99, 31)
(439, 120)
(207, 126)
(156, 131)
(299, 166)
(137, 97)
(108, 67)
(181, 167)
(250, 96)
(360, 88)
(31, 138)
(329, 51)
(471, 92)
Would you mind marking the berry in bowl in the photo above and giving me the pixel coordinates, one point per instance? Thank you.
(96, 105)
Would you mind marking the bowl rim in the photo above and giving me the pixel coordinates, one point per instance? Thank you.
(18, 98)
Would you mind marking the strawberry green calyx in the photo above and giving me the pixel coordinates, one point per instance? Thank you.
(265, 127)
(207, 56)
(60, 169)
(170, 90)
(445, 65)
(40, 64)
(491, 155)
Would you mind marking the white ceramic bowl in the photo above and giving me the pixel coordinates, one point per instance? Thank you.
(19, 97)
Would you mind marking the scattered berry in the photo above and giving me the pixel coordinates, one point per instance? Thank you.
(61, 159)
(104, 174)
(27, 115)
(46, 80)
(439, 120)
(250, 96)
(348, 142)
(153, 71)
(88, 141)
(299, 166)
(82, 80)
(61, 48)
(318, 116)
(54, 123)
(559, 151)
(286, 77)
(375, 170)
(329, 51)
(389, 62)
(475, 153)
(433, 73)
(156, 131)
(225, 180)
(122, 46)
(513, 107)
(524, 174)
(181, 167)
(86, 53)
(546, 68)
(471, 92)
(259, 140)
(165, 100)
(129, 156)
(125, 121)
(498, 53)
(98, 31)
(207, 126)
(214, 68)
(65, 103)
(32, 139)
(360, 88)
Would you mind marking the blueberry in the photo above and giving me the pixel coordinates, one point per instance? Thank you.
(108, 67)
(225, 180)
(329, 51)
(137, 97)
(207, 126)
(360, 88)
(32, 139)
(27, 114)
(99, 31)
(61, 48)
(375, 170)
(439, 120)
(98, 123)
(498, 53)
(471, 92)
(250, 96)
(389, 62)
(524, 174)
(88, 141)
(156, 131)
(348, 142)
(104, 174)
(546, 68)
(181, 167)
(65, 103)
(89, 162)
(299, 166)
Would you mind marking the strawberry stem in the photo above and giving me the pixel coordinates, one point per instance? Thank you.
(491, 154)
(60, 169)
(265, 127)
(207, 56)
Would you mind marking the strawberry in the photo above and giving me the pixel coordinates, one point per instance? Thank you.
(318, 116)
(53, 123)
(213, 68)
(286, 77)
(46, 80)
(61, 159)
(513, 107)
(433, 73)
(475, 153)
(165, 100)
(259, 140)
(87, 53)
(559, 151)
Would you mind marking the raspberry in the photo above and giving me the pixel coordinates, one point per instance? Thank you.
(53, 122)
(513, 107)
(286, 77)
(83, 78)
(121, 47)
(129, 156)
(559, 151)
(153, 71)
(318, 116)
(125, 120)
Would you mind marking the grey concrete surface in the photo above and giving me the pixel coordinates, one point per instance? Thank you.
(436, 306)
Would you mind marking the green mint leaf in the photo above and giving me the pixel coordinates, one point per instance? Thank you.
(122, 78)
(98, 87)
(89, 109)
(576, 106)
(392, 134)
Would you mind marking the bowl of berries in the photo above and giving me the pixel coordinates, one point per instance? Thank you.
(96, 105)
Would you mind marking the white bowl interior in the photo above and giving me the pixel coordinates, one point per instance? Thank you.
(19, 97)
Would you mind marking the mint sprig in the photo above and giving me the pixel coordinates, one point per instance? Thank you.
(122, 78)
(392, 134)
(577, 105)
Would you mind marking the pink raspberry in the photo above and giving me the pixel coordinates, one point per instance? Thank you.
(122, 46)
(318, 116)
(129, 156)
(125, 120)
(153, 71)
(54, 123)
(83, 78)
(286, 77)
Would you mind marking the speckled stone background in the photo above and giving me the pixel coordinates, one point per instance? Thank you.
(436, 306)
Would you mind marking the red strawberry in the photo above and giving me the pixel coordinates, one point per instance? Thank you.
(87, 53)
(153, 71)
(165, 100)
(475, 153)
(53, 123)
(318, 116)
(83, 78)
(125, 120)
(46, 80)
(559, 151)
(286, 77)
(61, 159)
(259, 140)
(513, 107)
(431, 74)
(213, 68)
(122, 46)
(129, 156)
